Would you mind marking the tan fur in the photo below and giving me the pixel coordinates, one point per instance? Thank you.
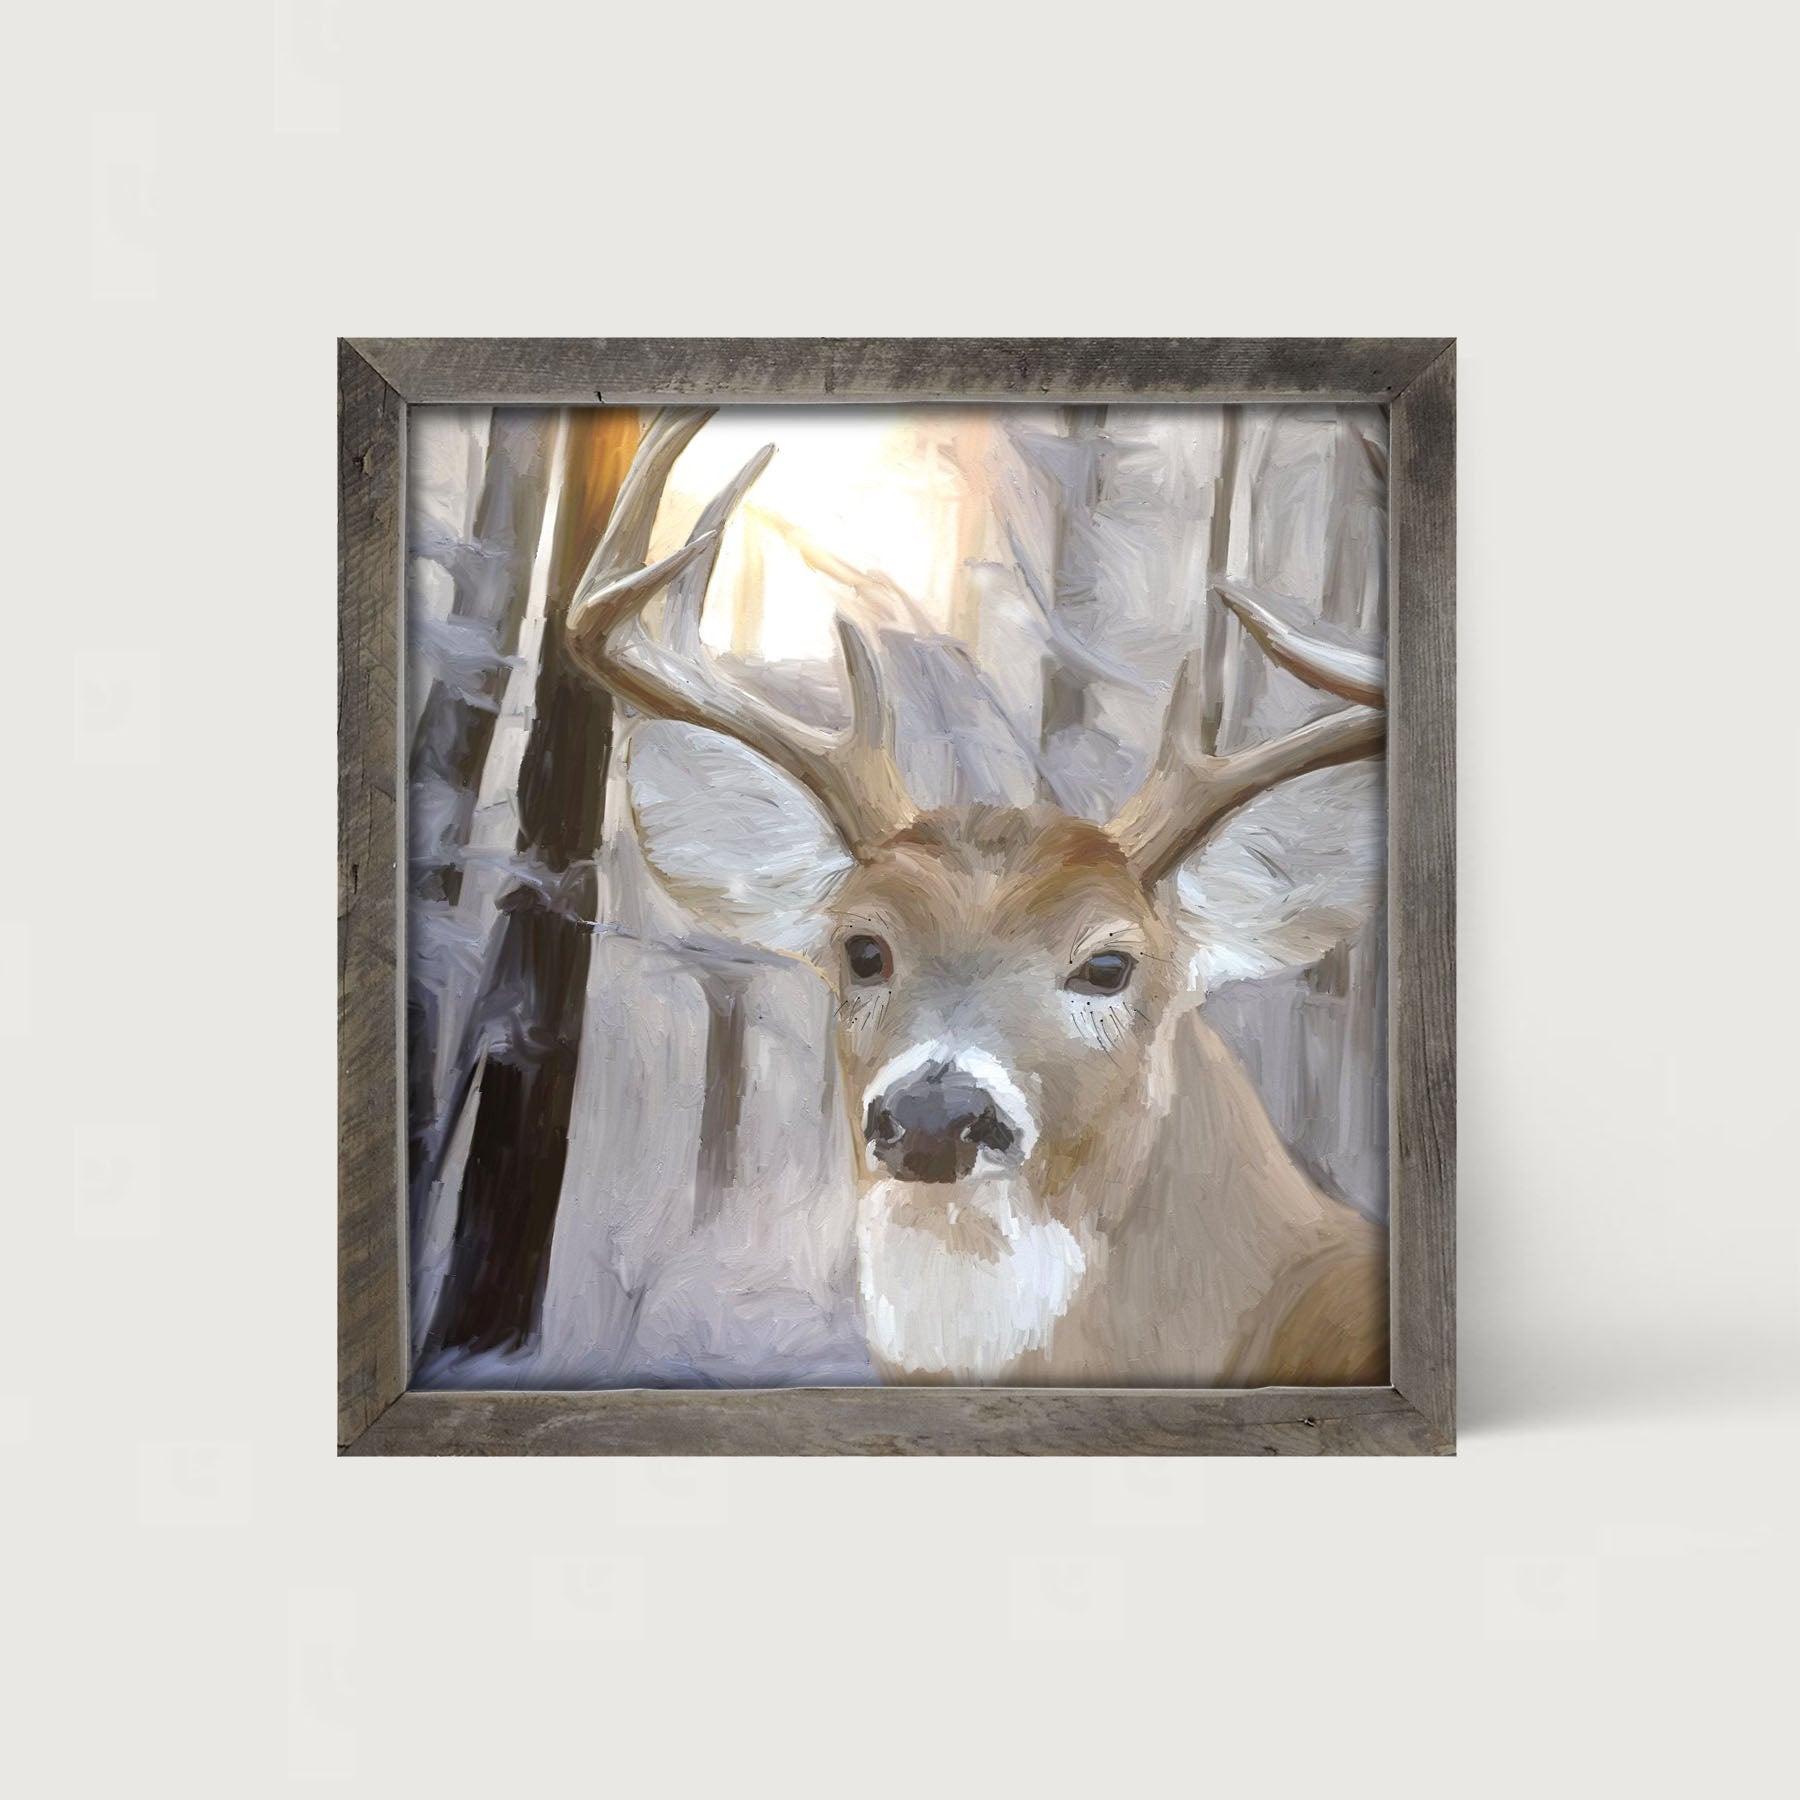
(1324, 1323)
(1224, 1266)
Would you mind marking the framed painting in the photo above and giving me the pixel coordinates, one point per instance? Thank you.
(896, 896)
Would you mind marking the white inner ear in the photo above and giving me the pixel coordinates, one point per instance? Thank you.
(733, 838)
(1287, 878)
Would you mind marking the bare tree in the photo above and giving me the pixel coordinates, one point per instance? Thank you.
(516, 1062)
(1067, 701)
(473, 649)
(1221, 624)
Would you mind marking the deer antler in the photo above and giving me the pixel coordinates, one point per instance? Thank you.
(1190, 793)
(851, 773)
(1339, 669)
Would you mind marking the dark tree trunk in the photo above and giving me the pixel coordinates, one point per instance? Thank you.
(525, 1035)
(455, 732)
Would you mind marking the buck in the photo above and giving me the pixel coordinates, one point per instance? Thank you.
(1064, 1175)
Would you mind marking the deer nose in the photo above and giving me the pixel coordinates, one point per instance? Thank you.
(933, 1128)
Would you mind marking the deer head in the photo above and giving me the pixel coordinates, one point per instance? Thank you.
(1001, 974)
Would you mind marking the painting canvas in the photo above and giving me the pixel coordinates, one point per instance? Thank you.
(896, 895)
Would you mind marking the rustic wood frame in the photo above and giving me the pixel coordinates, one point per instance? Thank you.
(378, 378)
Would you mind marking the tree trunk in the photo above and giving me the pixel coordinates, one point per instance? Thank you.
(1067, 703)
(715, 1167)
(525, 1033)
(1220, 625)
(454, 734)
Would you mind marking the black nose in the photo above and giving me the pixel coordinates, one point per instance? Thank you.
(933, 1128)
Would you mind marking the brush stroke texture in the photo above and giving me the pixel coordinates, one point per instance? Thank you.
(672, 1263)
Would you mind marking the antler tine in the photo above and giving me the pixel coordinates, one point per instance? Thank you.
(871, 717)
(1190, 792)
(1339, 669)
(626, 540)
(852, 774)
(687, 593)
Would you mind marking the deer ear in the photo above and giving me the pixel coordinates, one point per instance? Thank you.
(1286, 878)
(732, 838)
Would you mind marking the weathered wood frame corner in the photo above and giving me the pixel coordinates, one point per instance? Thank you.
(378, 378)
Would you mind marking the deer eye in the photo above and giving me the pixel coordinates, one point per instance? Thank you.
(869, 957)
(1106, 973)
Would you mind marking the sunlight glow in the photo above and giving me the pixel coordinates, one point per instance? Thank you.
(876, 487)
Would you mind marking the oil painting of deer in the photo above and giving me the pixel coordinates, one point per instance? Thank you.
(937, 990)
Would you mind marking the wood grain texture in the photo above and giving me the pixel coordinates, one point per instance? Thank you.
(1422, 891)
(904, 1422)
(630, 371)
(1415, 1416)
(372, 1363)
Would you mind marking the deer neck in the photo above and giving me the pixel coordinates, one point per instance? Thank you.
(1215, 1217)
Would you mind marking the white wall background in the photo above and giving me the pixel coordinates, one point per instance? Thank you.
(199, 1597)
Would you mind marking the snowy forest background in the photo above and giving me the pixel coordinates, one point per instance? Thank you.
(628, 1161)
